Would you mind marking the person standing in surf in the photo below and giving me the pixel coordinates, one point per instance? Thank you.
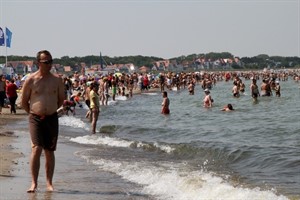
(254, 90)
(165, 104)
(266, 88)
(94, 105)
(207, 101)
(277, 89)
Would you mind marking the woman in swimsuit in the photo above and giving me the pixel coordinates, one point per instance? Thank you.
(165, 104)
(207, 101)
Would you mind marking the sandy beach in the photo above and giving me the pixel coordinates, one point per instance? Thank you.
(9, 155)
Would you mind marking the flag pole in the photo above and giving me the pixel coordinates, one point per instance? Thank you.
(5, 44)
(5, 51)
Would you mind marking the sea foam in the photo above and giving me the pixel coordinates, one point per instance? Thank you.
(72, 121)
(169, 181)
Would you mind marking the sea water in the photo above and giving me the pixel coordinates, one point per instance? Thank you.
(250, 153)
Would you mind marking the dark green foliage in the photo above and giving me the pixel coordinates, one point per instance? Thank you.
(257, 62)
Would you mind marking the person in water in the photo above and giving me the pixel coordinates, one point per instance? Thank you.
(207, 101)
(165, 104)
(277, 89)
(266, 88)
(94, 106)
(254, 90)
(228, 107)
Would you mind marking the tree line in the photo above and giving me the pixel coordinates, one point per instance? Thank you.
(256, 62)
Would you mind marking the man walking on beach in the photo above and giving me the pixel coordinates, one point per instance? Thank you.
(42, 94)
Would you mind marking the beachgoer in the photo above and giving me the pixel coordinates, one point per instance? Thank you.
(2, 92)
(254, 90)
(12, 95)
(130, 84)
(207, 101)
(146, 82)
(106, 91)
(140, 82)
(123, 91)
(165, 104)
(76, 99)
(277, 89)
(95, 106)
(67, 106)
(266, 88)
(228, 107)
(101, 90)
(42, 95)
(87, 100)
(191, 88)
(162, 82)
(235, 90)
(113, 88)
(68, 87)
(242, 87)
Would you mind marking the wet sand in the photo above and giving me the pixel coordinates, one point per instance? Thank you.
(9, 154)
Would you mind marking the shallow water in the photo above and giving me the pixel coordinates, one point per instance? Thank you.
(256, 147)
(194, 153)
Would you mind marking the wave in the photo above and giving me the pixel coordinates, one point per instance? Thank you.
(73, 121)
(175, 181)
(121, 98)
(117, 142)
(150, 93)
(216, 156)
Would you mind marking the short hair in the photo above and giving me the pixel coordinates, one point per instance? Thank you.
(93, 85)
(165, 93)
(46, 52)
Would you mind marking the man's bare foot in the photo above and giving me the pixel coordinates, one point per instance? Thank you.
(31, 190)
(50, 188)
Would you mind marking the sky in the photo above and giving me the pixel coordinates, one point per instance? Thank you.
(160, 28)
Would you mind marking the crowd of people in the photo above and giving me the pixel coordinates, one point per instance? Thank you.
(77, 86)
(124, 84)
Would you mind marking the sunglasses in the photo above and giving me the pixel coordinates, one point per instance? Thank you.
(47, 62)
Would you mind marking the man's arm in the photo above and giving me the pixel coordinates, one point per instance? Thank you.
(61, 93)
(26, 92)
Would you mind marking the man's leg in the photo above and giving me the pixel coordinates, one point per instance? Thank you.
(49, 165)
(35, 167)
